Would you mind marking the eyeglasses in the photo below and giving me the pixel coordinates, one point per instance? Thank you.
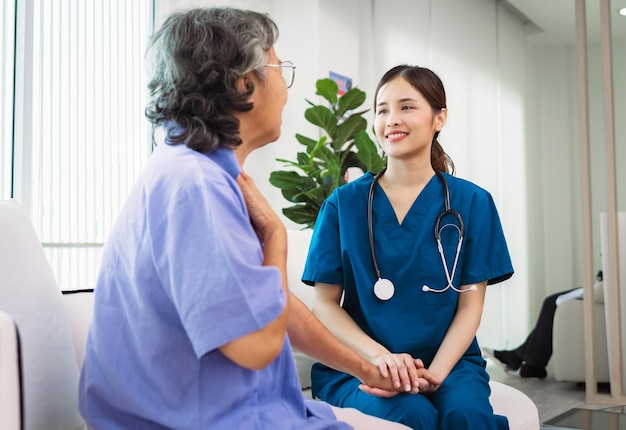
(288, 70)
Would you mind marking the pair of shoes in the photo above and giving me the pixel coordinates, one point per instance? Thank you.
(532, 371)
(508, 358)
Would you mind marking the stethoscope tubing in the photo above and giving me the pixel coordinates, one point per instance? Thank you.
(386, 285)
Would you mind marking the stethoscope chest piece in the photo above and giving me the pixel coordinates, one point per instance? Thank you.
(384, 289)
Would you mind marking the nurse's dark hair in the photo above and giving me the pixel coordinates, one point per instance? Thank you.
(430, 86)
(197, 57)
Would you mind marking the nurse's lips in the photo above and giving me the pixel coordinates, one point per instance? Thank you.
(396, 135)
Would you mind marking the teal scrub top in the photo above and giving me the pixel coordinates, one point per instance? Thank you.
(412, 321)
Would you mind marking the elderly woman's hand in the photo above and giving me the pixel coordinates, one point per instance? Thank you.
(407, 374)
(262, 216)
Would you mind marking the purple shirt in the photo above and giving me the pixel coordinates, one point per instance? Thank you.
(182, 275)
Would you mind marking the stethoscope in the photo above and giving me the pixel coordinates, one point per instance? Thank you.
(384, 288)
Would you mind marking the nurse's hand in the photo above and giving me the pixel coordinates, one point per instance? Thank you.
(402, 368)
(427, 386)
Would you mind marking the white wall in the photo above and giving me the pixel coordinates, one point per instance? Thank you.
(512, 126)
(554, 202)
(475, 48)
(471, 45)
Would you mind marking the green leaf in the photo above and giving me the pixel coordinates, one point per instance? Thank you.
(317, 196)
(332, 160)
(328, 89)
(331, 181)
(350, 159)
(322, 117)
(303, 160)
(292, 195)
(287, 179)
(302, 214)
(313, 197)
(306, 141)
(367, 151)
(314, 149)
(288, 162)
(347, 129)
(352, 99)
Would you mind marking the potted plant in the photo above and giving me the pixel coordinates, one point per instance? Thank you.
(323, 164)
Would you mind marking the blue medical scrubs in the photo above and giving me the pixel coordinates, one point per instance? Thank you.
(412, 321)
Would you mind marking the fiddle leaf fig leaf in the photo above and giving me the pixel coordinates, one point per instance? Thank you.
(290, 179)
(347, 129)
(352, 99)
(352, 160)
(322, 117)
(303, 160)
(328, 89)
(367, 152)
(306, 141)
(302, 214)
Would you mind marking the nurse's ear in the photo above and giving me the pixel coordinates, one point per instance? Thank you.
(440, 119)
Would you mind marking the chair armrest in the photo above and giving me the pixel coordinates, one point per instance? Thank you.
(79, 306)
(11, 397)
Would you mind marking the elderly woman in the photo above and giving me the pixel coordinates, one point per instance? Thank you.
(192, 309)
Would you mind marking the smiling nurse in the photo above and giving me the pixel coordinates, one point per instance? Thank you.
(436, 241)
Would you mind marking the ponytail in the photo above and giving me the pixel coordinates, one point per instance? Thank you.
(439, 159)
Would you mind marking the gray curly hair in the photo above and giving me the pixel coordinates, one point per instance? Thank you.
(197, 57)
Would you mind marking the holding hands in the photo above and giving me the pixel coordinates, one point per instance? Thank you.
(407, 374)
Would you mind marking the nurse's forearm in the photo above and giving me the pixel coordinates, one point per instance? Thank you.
(460, 334)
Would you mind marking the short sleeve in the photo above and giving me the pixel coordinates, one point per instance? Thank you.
(211, 265)
(323, 263)
(486, 252)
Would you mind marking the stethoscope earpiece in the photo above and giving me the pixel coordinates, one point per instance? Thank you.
(384, 288)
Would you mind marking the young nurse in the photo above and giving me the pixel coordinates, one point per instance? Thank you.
(386, 289)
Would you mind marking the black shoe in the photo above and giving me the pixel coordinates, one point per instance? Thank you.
(532, 371)
(509, 359)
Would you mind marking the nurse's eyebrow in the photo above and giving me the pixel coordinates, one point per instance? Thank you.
(403, 100)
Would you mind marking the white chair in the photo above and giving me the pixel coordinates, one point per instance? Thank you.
(568, 339)
(79, 307)
(30, 296)
(10, 374)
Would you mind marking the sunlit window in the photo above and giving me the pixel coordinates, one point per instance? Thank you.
(89, 136)
(7, 47)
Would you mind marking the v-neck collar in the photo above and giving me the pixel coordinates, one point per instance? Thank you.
(400, 235)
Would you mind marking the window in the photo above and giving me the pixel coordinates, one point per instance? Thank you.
(7, 68)
(83, 137)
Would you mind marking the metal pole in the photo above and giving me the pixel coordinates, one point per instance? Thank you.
(591, 383)
(613, 303)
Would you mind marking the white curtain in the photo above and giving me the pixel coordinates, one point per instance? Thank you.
(84, 138)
